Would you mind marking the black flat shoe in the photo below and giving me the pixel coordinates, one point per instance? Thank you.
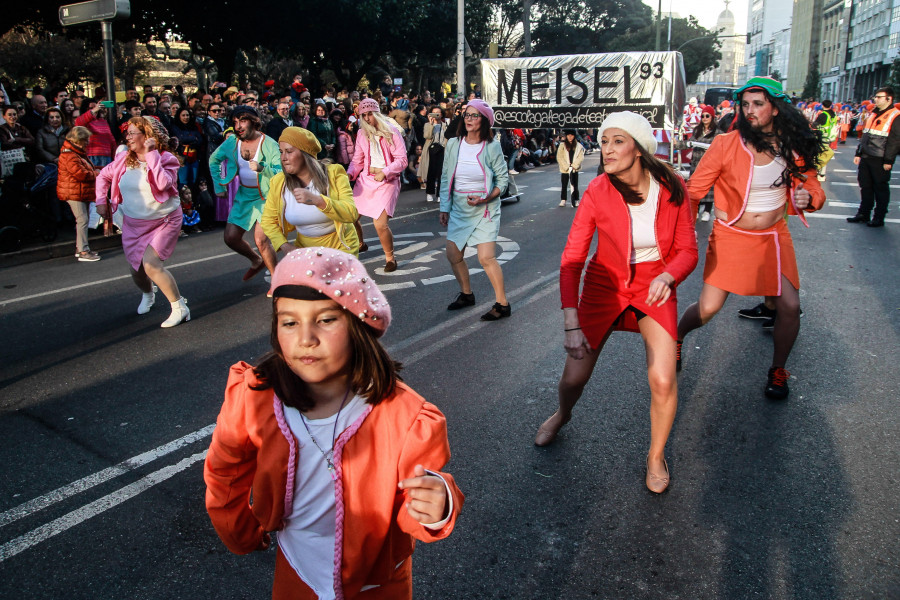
(875, 223)
(497, 312)
(858, 218)
(462, 301)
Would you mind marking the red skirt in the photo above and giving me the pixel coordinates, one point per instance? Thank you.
(603, 302)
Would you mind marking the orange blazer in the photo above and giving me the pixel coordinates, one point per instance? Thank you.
(250, 452)
(728, 164)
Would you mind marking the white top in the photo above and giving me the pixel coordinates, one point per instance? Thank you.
(138, 201)
(763, 196)
(643, 227)
(309, 220)
(376, 156)
(469, 177)
(247, 175)
(308, 536)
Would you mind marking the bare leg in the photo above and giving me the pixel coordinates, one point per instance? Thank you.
(787, 322)
(359, 234)
(141, 280)
(460, 269)
(660, 348)
(701, 312)
(575, 376)
(234, 239)
(385, 236)
(265, 248)
(492, 269)
(159, 275)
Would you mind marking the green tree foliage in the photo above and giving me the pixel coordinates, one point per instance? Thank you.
(31, 57)
(699, 55)
(812, 88)
(586, 26)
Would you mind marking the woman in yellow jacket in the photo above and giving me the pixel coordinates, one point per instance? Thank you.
(306, 198)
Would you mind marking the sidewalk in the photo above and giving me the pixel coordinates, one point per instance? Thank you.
(34, 250)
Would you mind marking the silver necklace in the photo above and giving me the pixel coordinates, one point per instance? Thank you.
(328, 456)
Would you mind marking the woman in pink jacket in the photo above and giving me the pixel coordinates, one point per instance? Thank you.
(143, 183)
(378, 160)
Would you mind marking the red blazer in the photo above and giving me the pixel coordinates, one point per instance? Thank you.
(603, 210)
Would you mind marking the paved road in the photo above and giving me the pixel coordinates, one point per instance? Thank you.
(105, 419)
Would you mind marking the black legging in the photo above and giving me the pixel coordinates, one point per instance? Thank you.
(435, 166)
(565, 185)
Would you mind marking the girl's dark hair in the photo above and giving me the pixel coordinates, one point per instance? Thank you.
(484, 128)
(791, 129)
(660, 171)
(698, 130)
(373, 373)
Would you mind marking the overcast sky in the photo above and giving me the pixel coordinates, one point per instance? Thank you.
(706, 11)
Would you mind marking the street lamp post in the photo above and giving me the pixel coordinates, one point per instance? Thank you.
(461, 48)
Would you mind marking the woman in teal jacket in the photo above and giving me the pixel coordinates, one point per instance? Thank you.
(473, 177)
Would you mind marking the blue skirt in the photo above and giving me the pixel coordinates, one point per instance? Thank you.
(472, 225)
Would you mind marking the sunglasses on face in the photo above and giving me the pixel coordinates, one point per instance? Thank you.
(471, 116)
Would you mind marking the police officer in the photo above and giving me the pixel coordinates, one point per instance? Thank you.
(875, 156)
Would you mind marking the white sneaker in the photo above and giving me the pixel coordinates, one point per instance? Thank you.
(513, 172)
(429, 198)
(705, 217)
(147, 301)
(562, 203)
(180, 313)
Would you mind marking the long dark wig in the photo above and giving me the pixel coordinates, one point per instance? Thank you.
(791, 134)
(373, 373)
(660, 171)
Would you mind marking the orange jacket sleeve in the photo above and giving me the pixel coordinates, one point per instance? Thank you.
(229, 470)
(426, 444)
(576, 251)
(707, 172)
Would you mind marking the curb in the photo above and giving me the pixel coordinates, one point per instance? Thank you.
(56, 250)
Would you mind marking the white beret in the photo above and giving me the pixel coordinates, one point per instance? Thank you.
(634, 125)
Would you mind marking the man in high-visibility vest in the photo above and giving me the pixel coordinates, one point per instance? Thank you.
(875, 156)
(827, 122)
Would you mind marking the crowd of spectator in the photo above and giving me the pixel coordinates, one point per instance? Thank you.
(199, 122)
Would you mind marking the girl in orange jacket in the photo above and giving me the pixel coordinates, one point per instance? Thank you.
(340, 457)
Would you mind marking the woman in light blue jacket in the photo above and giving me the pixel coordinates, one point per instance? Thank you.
(473, 177)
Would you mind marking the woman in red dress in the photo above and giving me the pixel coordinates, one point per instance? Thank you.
(646, 246)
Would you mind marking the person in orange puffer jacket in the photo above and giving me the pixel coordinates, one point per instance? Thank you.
(75, 185)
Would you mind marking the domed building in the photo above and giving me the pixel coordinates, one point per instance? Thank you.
(726, 75)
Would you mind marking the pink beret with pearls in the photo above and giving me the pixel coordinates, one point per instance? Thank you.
(340, 277)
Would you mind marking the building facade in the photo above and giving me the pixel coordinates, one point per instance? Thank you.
(871, 46)
(806, 31)
(833, 49)
(764, 19)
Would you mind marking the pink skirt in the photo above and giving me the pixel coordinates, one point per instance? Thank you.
(160, 234)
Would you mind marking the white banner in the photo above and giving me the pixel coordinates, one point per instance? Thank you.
(580, 91)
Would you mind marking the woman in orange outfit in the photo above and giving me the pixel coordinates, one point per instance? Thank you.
(762, 171)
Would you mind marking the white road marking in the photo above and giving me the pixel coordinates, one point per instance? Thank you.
(77, 516)
(85, 483)
(553, 189)
(853, 184)
(842, 204)
(827, 216)
(102, 281)
(441, 279)
(385, 287)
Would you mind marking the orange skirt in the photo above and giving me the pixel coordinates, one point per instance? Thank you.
(750, 263)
